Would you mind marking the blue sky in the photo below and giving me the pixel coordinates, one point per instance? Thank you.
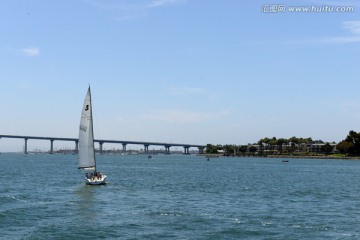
(184, 71)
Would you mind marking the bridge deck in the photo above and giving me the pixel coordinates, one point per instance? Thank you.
(105, 141)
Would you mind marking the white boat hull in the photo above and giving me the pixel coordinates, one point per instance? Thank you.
(96, 180)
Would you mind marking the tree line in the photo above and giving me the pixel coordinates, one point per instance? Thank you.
(266, 146)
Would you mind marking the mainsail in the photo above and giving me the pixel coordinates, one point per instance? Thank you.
(86, 136)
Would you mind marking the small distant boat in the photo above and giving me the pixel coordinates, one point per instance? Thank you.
(285, 160)
(87, 160)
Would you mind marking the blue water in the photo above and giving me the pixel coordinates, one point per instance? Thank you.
(179, 197)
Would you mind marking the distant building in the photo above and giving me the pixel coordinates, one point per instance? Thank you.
(316, 147)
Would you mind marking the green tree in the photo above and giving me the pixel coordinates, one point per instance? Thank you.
(265, 142)
(354, 138)
(327, 148)
(261, 145)
(344, 147)
(273, 142)
(252, 149)
(351, 144)
(211, 149)
(243, 149)
(229, 149)
(294, 142)
(280, 143)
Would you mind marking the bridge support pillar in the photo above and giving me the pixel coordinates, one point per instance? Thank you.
(25, 147)
(186, 150)
(167, 149)
(201, 150)
(51, 146)
(124, 148)
(146, 148)
(101, 147)
(76, 146)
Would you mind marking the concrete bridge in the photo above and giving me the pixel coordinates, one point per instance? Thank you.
(102, 141)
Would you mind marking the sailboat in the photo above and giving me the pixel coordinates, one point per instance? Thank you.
(87, 160)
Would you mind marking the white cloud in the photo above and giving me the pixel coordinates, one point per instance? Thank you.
(181, 116)
(31, 52)
(352, 26)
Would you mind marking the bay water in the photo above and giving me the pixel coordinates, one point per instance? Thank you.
(179, 197)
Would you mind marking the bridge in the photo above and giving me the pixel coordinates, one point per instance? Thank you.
(102, 141)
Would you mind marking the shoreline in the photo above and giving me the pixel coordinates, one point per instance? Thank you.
(286, 156)
(314, 157)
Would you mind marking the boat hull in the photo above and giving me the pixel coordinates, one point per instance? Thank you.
(96, 180)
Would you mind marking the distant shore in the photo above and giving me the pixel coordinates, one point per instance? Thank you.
(287, 156)
(314, 157)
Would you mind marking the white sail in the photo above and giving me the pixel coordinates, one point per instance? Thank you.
(86, 136)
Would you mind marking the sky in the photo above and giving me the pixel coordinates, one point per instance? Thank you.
(181, 71)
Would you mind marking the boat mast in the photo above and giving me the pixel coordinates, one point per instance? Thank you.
(92, 128)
